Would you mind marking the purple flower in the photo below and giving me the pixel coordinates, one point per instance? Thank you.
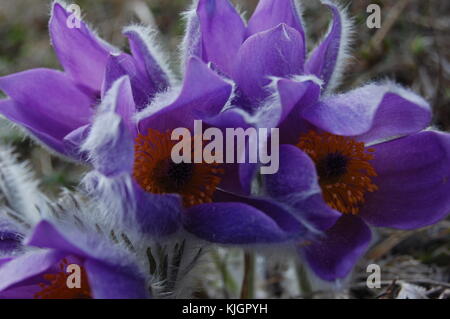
(56, 107)
(134, 172)
(364, 154)
(64, 112)
(43, 273)
(273, 44)
(400, 183)
(348, 160)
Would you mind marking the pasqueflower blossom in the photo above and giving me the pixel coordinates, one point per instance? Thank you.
(43, 273)
(365, 153)
(272, 44)
(400, 183)
(135, 174)
(347, 161)
(56, 107)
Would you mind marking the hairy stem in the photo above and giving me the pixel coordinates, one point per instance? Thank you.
(303, 282)
(229, 285)
(249, 276)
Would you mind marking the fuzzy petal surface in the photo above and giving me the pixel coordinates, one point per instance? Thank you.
(270, 13)
(335, 255)
(202, 96)
(82, 54)
(413, 182)
(223, 32)
(371, 113)
(275, 52)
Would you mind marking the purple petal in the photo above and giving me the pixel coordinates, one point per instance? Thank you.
(10, 110)
(114, 282)
(238, 176)
(82, 54)
(20, 292)
(327, 59)
(280, 214)
(203, 95)
(295, 95)
(120, 100)
(231, 117)
(46, 102)
(334, 256)
(157, 214)
(275, 52)
(27, 266)
(371, 112)
(247, 174)
(147, 61)
(72, 143)
(46, 235)
(304, 90)
(313, 212)
(223, 32)
(270, 13)
(121, 65)
(73, 243)
(5, 260)
(115, 153)
(192, 41)
(296, 185)
(296, 174)
(110, 142)
(232, 223)
(413, 182)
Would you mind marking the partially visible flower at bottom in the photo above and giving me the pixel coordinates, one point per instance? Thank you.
(43, 273)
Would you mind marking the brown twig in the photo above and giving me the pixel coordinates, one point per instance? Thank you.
(386, 245)
(249, 276)
(388, 23)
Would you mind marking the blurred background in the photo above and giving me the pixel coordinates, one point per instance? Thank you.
(412, 47)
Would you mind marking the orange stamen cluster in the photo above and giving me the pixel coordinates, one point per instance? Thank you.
(57, 287)
(344, 169)
(156, 173)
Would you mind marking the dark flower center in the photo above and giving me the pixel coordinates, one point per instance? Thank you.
(344, 169)
(172, 176)
(10, 241)
(156, 173)
(332, 167)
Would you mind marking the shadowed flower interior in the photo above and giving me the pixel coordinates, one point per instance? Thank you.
(344, 169)
(57, 288)
(9, 241)
(156, 173)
